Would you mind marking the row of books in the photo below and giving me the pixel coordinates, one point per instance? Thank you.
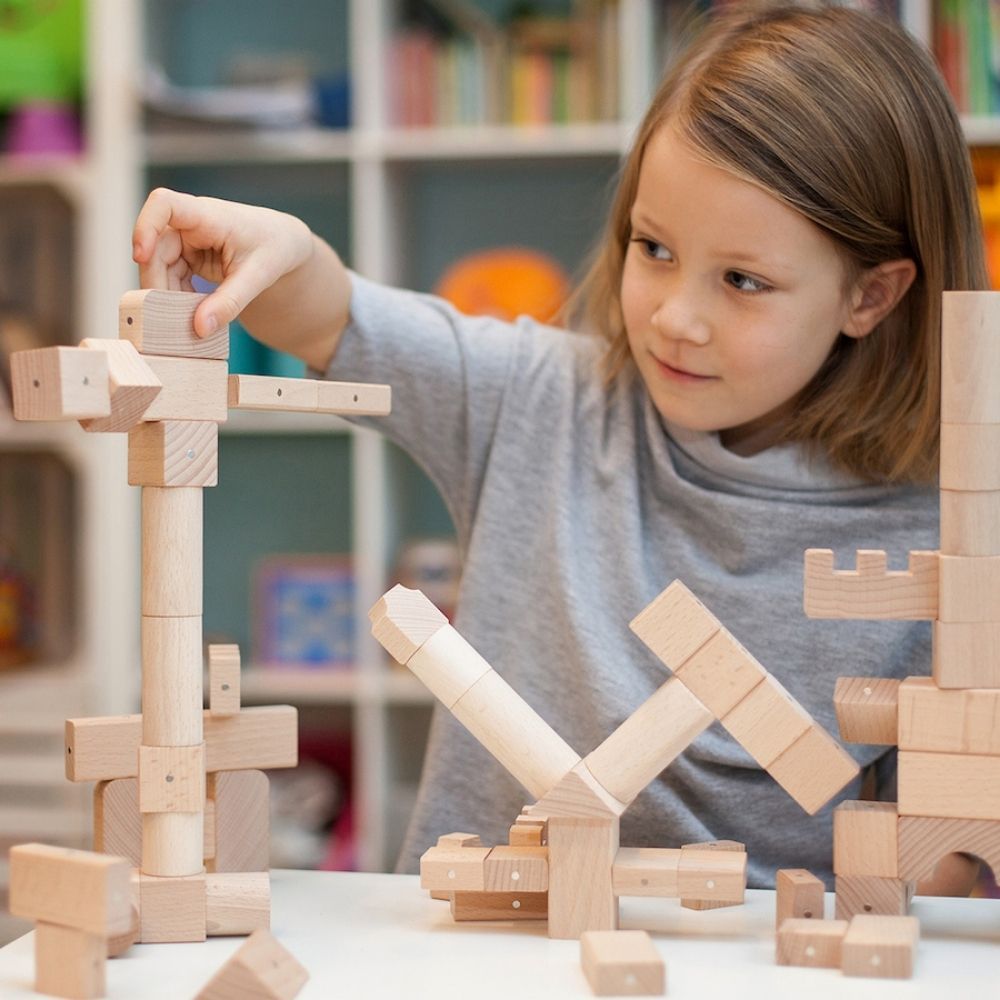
(966, 41)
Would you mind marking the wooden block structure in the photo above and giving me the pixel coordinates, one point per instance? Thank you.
(260, 968)
(573, 827)
(622, 963)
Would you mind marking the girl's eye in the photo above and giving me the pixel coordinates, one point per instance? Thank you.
(652, 249)
(744, 283)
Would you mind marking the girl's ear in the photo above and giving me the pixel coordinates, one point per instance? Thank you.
(877, 292)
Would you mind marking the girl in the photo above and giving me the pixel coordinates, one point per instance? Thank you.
(758, 375)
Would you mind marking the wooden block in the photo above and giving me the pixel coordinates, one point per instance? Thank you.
(161, 322)
(208, 839)
(117, 821)
(172, 909)
(459, 840)
(970, 589)
(865, 894)
(867, 709)
(60, 383)
(646, 871)
(579, 794)
(259, 968)
(949, 721)
(69, 962)
(172, 659)
(865, 839)
(354, 398)
(403, 620)
(622, 963)
(799, 896)
(79, 889)
(709, 875)
(118, 944)
(499, 905)
(970, 358)
(517, 869)
(237, 902)
(959, 786)
(969, 457)
(265, 392)
(925, 840)
(454, 868)
(870, 590)
(132, 384)
(242, 821)
(172, 779)
(447, 665)
(527, 832)
(675, 625)
(970, 523)
(721, 674)
(174, 453)
(714, 904)
(813, 769)
(814, 944)
(193, 389)
(966, 654)
(223, 679)
(767, 721)
(581, 896)
(172, 551)
(881, 946)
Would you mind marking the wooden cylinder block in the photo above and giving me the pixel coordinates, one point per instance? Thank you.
(171, 681)
(173, 843)
(966, 654)
(970, 523)
(970, 355)
(172, 551)
(970, 457)
(448, 665)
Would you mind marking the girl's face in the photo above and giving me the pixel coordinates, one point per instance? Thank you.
(732, 301)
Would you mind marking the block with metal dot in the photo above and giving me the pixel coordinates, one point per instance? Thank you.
(814, 943)
(800, 895)
(883, 947)
(622, 963)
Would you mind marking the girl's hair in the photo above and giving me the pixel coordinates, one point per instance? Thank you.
(843, 116)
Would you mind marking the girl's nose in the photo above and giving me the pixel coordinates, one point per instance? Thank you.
(680, 316)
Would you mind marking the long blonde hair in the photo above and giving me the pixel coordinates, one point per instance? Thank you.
(841, 115)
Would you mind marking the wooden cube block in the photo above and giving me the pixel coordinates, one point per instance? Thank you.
(133, 386)
(867, 894)
(224, 679)
(193, 389)
(60, 383)
(174, 453)
(675, 625)
(172, 779)
(721, 673)
(707, 875)
(970, 355)
(960, 786)
(511, 869)
(767, 721)
(815, 944)
(472, 906)
(172, 909)
(69, 962)
(813, 769)
(732, 846)
(966, 654)
(162, 322)
(865, 839)
(970, 588)
(799, 896)
(262, 968)
(867, 709)
(237, 902)
(881, 946)
(527, 832)
(454, 868)
(970, 523)
(622, 963)
(968, 457)
(949, 721)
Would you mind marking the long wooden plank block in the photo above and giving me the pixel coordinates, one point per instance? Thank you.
(303, 395)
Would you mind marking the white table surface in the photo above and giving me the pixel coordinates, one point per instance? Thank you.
(371, 936)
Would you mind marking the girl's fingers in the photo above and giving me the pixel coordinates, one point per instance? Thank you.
(240, 287)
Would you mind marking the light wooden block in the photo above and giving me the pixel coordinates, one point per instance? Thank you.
(959, 786)
(516, 869)
(172, 551)
(174, 453)
(966, 654)
(970, 523)
(237, 902)
(172, 909)
(732, 846)
(172, 671)
(261, 968)
(193, 389)
(162, 322)
(578, 794)
(265, 392)
(767, 721)
(223, 679)
(799, 896)
(581, 856)
(132, 384)
(970, 589)
(622, 963)
(117, 820)
(469, 906)
(709, 875)
(865, 839)
(870, 590)
(242, 821)
(881, 946)
(970, 357)
(354, 398)
(675, 625)
(172, 779)
(60, 383)
(969, 457)
(813, 769)
(527, 833)
(447, 665)
(454, 868)
(403, 620)
(646, 871)
(721, 674)
(815, 944)
(79, 889)
(925, 840)
(867, 709)
(948, 721)
(460, 840)
(69, 962)
(871, 894)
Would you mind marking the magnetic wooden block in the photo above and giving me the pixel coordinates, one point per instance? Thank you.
(237, 902)
(867, 709)
(513, 869)
(354, 398)
(527, 834)
(799, 896)
(261, 968)
(265, 392)
(767, 721)
(949, 721)
(970, 589)
(622, 963)
(813, 769)
(171, 680)
(223, 679)
(172, 779)
(174, 453)
(499, 905)
(79, 889)
(172, 909)
(646, 871)
(721, 674)
(403, 620)
(865, 839)
(867, 894)
(970, 523)
(925, 840)
(816, 944)
(880, 946)
(578, 794)
(870, 590)
(454, 868)
(69, 962)
(242, 821)
(60, 383)
(193, 389)
(969, 457)
(959, 786)
(117, 821)
(162, 322)
(132, 384)
(459, 840)
(581, 855)
(733, 846)
(709, 875)
(675, 625)
(966, 654)
(447, 665)
(970, 358)
(172, 551)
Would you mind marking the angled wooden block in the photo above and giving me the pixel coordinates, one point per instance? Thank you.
(266, 392)
(867, 709)
(733, 846)
(237, 902)
(172, 779)
(193, 389)
(970, 357)
(162, 322)
(646, 871)
(871, 591)
(925, 840)
(223, 679)
(262, 968)
(69, 962)
(499, 905)
(721, 674)
(675, 625)
(799, 896)
(117, 820)
(767, 721)
(517, 869)
(868, 894)
(865, 839)
(622, 963)
(79, 889)
(579, 794)
(959, 786)
(815, 944)
(813, 769)
(968, 457)
(970, 588)
(174, 453)
(354, 398)
(881, 946)
(454, 868)
(172, 909)
(970, 523)
(132, 384)
(241, 821)
(402, 621)
(60, 383)
(948, 721)
(966, 654)
(581, 857)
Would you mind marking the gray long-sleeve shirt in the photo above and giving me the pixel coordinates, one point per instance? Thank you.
(574, 507)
